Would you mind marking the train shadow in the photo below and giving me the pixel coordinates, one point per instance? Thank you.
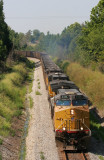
(96, 145)
(95, 112)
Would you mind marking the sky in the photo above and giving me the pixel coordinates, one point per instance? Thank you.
(46, 15)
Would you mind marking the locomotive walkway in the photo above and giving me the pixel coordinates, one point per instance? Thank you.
(40, 142)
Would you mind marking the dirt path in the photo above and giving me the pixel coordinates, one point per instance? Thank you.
(40, 142)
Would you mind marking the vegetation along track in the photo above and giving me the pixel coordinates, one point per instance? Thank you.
(69, 153)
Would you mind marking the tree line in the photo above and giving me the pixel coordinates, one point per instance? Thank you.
(78, 42)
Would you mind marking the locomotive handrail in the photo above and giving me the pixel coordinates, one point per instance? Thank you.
(87, 128)
(60, 125)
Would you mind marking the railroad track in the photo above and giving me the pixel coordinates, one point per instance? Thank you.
(70, 153)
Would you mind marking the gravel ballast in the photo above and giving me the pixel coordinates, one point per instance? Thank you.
(40, 142)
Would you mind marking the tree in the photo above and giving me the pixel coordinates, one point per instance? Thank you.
(4, 35)
(92, 38)
(97, 14)
(35, 36)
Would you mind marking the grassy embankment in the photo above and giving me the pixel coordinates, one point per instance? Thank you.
(12, 94)
(91, 83)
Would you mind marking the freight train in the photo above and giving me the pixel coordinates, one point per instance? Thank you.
(69, 106)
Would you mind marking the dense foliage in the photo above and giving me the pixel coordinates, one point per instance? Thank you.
(92, 39)
(5, 43)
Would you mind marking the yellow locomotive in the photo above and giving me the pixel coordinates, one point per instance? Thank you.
(70, 114)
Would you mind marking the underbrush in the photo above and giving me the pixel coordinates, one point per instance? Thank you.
(12, 93)
(90, 82)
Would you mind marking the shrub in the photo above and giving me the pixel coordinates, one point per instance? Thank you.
(91, 82)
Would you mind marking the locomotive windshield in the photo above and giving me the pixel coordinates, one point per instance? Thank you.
(63, 103)
(65, 97)
(79, 102)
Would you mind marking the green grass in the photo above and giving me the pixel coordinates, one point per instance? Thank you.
(12, 94)
(37, 93)
(101, 157)
(31, 101)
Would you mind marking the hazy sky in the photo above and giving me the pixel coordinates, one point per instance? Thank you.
(46, 15)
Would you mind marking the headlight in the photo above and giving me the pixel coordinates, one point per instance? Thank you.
(63, 128)
(81, 128)
(71, 111)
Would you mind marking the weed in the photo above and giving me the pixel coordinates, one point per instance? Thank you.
(31, 102)
(30, 80)
(101, 157)
(42, 157)
(37, 79)
(37, 93)
(30, 87)
(38, 87)
(4, 127)
(18, 113)
(12, 132)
